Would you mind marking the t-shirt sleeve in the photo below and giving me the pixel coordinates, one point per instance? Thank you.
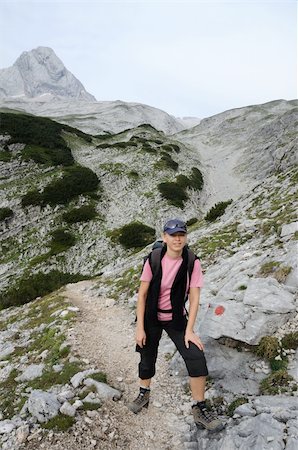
(197, 275)
(147, 272)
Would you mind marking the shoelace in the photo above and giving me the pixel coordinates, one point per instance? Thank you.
(207, 414)
(139, 398)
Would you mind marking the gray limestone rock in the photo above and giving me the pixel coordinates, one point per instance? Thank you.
(6, 426)
(77, 379)
(104, 391)
(43, 405)
(265, 307)
(6, 349)
(288, 229)
(68, 409)
(31, 372)
(245, 410)
(41, 72)
(292, 433)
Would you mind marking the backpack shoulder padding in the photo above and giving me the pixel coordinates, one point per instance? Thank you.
(155, 259)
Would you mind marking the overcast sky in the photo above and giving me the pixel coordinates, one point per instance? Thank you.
(189, 58)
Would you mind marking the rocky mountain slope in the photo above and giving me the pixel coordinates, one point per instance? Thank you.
(241, 146)
(248, 314)
(40, 73)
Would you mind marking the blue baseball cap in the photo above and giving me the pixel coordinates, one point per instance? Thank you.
(175, 226)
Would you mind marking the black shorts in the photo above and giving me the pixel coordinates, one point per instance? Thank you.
(194, 358)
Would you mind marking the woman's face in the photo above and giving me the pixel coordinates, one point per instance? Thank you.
(175, 242)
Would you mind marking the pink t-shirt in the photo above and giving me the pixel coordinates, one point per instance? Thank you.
(170, 267)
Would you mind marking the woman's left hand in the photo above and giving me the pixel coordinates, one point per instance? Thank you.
(190, 336)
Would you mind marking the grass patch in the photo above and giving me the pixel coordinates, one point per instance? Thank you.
(59, 423)
(234, 404)
(50, 378)
(99, 376)
(90, 406)
(7, 395)
(277, 383)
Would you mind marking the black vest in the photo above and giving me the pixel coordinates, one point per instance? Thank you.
(178, 296)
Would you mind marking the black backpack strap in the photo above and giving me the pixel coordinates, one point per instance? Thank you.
(191, 262)
(190, 265)
(155, 259)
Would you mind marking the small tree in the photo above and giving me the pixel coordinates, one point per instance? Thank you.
(136, 235)
(217, 210)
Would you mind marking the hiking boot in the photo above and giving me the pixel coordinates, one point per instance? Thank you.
(206, 419)
(142, 401)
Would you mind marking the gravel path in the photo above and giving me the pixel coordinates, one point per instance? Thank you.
(104, 337)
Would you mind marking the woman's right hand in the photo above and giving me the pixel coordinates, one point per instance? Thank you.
(141, 337)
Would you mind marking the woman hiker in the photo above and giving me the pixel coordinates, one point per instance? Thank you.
(165, 285)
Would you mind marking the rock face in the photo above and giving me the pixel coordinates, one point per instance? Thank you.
(38, 73)
(265, 307)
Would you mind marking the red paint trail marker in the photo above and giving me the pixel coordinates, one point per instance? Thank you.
(219, 310)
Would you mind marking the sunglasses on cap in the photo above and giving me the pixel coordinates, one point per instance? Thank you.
(175, 225)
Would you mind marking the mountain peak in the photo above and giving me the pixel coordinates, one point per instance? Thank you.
(39, 72)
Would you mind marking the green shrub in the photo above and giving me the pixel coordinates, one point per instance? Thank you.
(173, 192)
(217, 210)
(37, 285)
(36, 130)
(166, 162)
(75, 181)
(82, 214)
(171, 147)
(196, 179)
(183, 181)
(136, 235)
(48, 156)
(191, 221)
(133, 174)
(33, 198)
(5, 155)
(61, 241)
(147, 148)
(5, 213)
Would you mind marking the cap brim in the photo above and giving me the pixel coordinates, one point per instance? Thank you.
(175, 230)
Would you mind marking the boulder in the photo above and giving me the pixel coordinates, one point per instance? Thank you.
(265, 307)
(104, 391)
(31, 372)
(68, 409)
(6, 426)
(43, 405)
(77, 379)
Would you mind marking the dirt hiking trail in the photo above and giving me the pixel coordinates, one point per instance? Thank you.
(103, 336)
